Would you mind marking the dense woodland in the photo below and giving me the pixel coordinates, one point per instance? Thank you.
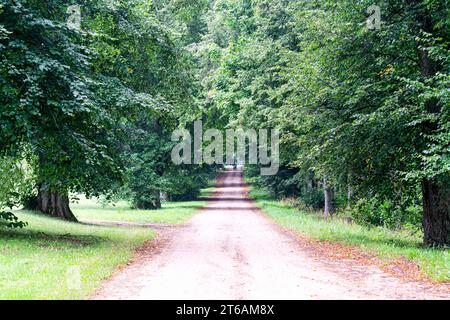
(363, 113)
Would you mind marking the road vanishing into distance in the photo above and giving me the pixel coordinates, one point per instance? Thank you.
(230, 250)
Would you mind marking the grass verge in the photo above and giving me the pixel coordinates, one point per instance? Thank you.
(383, 243)
(87, 210)
(171, 213)
(43, 260)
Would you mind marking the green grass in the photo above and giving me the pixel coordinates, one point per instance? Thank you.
(37, 262)
(385, 244)
(171, 213)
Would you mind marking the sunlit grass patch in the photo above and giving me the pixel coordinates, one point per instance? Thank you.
(43, 260)
(171, 212)
(55, 259)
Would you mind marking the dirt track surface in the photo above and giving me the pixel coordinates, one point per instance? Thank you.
(230, 250)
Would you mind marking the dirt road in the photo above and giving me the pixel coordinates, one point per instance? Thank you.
(230, 250)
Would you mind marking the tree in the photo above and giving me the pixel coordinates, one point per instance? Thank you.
(381, 105)
(366, 109)
(48, 99)
(66, 104)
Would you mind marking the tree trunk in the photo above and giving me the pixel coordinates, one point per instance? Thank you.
(157, 193)
(55, 204)
(436, 192)
(349, 195)
(328, 192)
(436, 210)
(350, 190)
(157, 199)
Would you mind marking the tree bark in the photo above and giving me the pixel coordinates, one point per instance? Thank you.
(436, 193)
(436, 209)
(157, 193)
(158, 199)
(349, 195)
(328, 192)
(55, 204)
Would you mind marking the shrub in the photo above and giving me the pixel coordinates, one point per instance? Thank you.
(313, 198)
(383, 212)
(186, 184)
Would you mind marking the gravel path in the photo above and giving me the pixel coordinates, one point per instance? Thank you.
(230, 250)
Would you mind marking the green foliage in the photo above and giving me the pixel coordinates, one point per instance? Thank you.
(84, 101)
(49, 98)
(312, 198)
(17, 180)
(376, 212)
(148, 56)
(11, 220)
(367, 109)
(284, 184)
(184, 184)
(364, 110)
(17, 177)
